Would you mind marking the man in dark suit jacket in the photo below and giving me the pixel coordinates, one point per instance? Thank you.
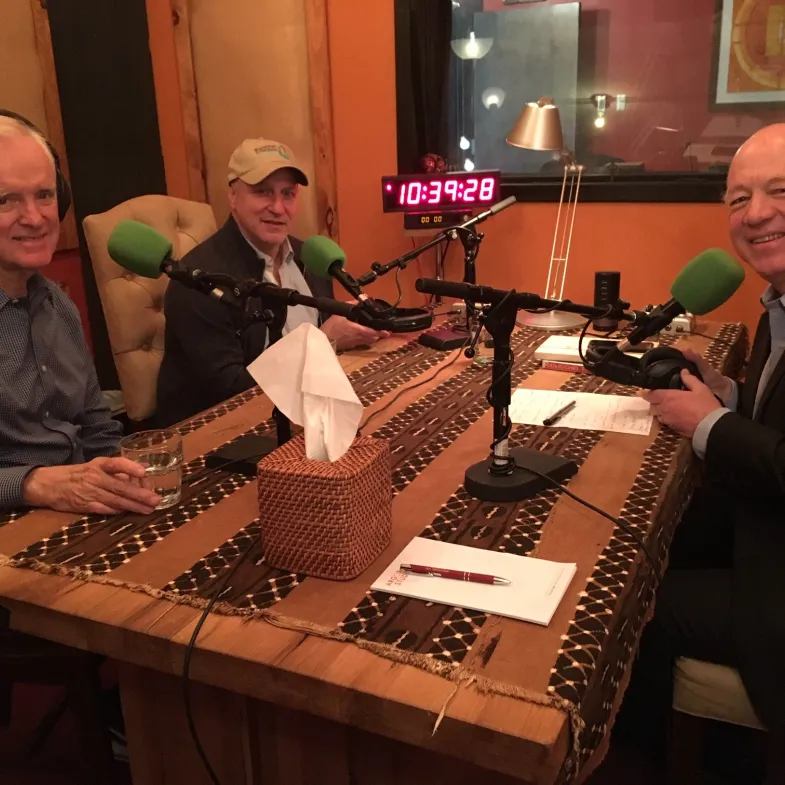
(207, 344)
(723, 597)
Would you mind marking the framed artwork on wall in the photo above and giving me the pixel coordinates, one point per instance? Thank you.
(748, 69)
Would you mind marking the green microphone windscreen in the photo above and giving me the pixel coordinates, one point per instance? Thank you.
(710, 279)
(138, 248)
(319, 253)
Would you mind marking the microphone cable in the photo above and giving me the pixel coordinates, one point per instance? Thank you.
(623, 525)
(189, 651)
(403, 390)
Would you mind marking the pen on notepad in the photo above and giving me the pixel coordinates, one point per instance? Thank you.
(456, 575)
(556, 416)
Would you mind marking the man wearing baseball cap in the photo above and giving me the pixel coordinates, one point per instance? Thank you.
(208, 345)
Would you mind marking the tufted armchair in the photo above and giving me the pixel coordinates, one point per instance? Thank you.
(133, 306)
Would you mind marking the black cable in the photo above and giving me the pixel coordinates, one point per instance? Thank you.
(503, 376)
(187, 663)
(580, 343)
(489, 397)
(548, 309)
(458, 351)
(192, 644)
(390, 309)
(618, 521)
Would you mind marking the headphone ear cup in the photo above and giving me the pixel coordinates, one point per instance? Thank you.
(61, 184)
(663, 367)
(63, 194)
(661, 353)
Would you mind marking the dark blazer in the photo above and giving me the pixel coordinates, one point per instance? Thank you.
(207, 344)
(745, 462)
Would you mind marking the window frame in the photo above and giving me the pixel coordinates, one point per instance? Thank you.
(633, 187)
(664, 187)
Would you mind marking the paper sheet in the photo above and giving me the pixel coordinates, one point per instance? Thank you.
(592, 412)
(536, 589)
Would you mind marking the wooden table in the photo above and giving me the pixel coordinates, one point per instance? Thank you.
(313, 681)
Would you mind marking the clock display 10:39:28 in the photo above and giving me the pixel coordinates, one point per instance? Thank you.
(445, 192)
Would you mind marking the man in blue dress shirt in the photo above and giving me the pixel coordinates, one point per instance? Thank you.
(56, 436)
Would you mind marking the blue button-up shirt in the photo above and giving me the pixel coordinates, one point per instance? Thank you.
(51, 412)
(775, 305)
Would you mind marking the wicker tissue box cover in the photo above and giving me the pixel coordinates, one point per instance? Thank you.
(326, 519)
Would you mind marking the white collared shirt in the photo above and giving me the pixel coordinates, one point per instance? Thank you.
(291, 278)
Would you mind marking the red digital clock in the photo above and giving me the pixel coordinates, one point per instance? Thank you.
(418, 193)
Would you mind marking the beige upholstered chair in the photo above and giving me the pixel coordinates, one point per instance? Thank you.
(133, 306)
(706, 691)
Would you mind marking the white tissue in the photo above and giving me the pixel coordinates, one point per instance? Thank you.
(302, 376)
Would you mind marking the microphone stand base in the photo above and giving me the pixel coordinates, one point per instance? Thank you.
(553, 320)
(519, 483)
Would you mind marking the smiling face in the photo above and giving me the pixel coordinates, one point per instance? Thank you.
(29, 224)
(756, 201)
(265, 211)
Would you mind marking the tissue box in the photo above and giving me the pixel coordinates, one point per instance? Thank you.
(326, 519)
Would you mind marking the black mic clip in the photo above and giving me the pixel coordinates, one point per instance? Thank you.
(219, 285)
(471, 349)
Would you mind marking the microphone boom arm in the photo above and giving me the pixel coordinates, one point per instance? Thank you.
(279, 296)
(523, 300)
(452, 232)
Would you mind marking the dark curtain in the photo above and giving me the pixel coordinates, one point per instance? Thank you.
(110, 122)
(423, 30)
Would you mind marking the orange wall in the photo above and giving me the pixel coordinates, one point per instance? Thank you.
(648, 243)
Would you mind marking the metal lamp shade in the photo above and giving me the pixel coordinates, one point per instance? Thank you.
(538, 127)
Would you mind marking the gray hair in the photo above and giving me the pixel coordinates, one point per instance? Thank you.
(11, 128)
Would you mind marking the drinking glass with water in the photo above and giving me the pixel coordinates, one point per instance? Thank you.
(161, 453)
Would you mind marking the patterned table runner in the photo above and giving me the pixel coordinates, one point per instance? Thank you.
(591, 660)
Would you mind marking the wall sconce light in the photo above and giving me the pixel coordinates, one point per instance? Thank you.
(468, 165)
(471, 48)
(493, 97)
(600, 101)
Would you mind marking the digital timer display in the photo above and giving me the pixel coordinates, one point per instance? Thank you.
(436, 192)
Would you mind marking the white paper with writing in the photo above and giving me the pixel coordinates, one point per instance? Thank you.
(592, 412)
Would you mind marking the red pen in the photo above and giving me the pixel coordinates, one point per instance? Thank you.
(456, 575)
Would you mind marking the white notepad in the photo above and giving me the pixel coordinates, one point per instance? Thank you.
(536, 589)
(592, 411)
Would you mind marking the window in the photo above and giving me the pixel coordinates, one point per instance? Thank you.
(654, 96)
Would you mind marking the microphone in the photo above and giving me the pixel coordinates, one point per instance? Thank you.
(324, 258)
(451, 232)
(492, 210)
(704, 284)
(141, 250)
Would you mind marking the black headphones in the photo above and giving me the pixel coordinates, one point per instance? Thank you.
(63, 189)
(658, 369)
(405, 320)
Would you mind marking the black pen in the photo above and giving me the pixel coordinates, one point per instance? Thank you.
(556, 416)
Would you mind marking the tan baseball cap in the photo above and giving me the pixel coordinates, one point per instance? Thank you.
(255, 159)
